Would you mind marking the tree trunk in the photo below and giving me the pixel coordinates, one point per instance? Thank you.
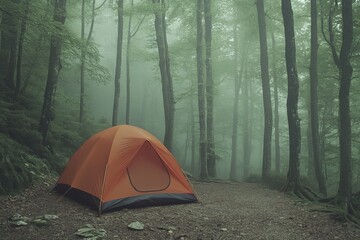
(115, 117)
(293, 176)
(127, 118)
(201, 89)
(211, 157)
(169, 128)
(82, 64)
(10, 47)
(319, 173)
(47, 112)
(276, 108)
(164, 64)
(311, 165)
(193, 146)
(5, 50)
(266, 165)
(247, 123)
(83, 55)
(234, 144)
(20, 48)
(344, 193)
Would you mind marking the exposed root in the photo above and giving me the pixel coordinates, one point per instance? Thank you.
(300, 191)
(340, 211)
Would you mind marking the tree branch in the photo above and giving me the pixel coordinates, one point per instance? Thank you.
(137, 27)
(97, 8)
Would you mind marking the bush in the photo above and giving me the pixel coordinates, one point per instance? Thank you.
(18, 168)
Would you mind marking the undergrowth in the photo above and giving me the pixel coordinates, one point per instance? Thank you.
(18, 167)
(23, 157)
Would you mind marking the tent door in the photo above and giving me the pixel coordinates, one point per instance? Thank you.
(146, 172)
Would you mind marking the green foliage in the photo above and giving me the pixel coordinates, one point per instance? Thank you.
(18, 167)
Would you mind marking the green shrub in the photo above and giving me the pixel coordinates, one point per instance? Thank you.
(18, 168)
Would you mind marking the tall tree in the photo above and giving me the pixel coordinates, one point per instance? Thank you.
(9, 47)
(83, 54)
(118, 62)
(344, 194)
(211, 157)
(23, 23)
(247, 121)
(47, 111)
(201, 89)
(266, 165)
(164, 64)
(276, 107)
(314, 101)
(127, 118)
(342, 61)
(293, 177)
(130, 35)
(234, 147)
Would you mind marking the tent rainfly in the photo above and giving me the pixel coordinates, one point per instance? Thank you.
(123, 167)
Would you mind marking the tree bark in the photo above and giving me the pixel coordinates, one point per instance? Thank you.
(82, 64)
(211, 157)
(344, 193)
(10, 48)
(166, 80)
(293, 176)
(247, 123)
(319, 173)
(115, 117)
(20, 47)
(83, 55)
(47, 112)
(127, 116)
(276, 108)
(201, 90)
(234, 144)
(266, 165)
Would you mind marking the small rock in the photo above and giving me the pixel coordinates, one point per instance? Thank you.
(19, 223)
(50, 217)
(136, 226)
(224, 229)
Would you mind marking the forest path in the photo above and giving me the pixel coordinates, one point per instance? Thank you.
(228, 211)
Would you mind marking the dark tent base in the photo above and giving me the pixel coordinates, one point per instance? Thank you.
(146, 200)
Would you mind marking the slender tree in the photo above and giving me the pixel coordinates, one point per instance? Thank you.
(276, 107)
(118, 62)
(130, 35)
(247, 125)
(127, 118)
(201, 89)
(9, 45)
(164, 64)
(342, 61)
(23, 23)
(83, 53)
(211, 157)
(314, 101)
(344, 194)
(47, 112)
(266, 165)
(234, 147)
(293, 177)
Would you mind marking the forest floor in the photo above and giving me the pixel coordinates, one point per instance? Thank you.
(228, 211)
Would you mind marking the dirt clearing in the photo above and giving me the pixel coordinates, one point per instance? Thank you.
(227, 211)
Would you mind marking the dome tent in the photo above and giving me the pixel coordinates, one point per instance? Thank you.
(121, 167)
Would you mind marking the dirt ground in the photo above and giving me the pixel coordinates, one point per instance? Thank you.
(227, 211)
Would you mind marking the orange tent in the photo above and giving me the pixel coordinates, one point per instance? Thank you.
(124, 166)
